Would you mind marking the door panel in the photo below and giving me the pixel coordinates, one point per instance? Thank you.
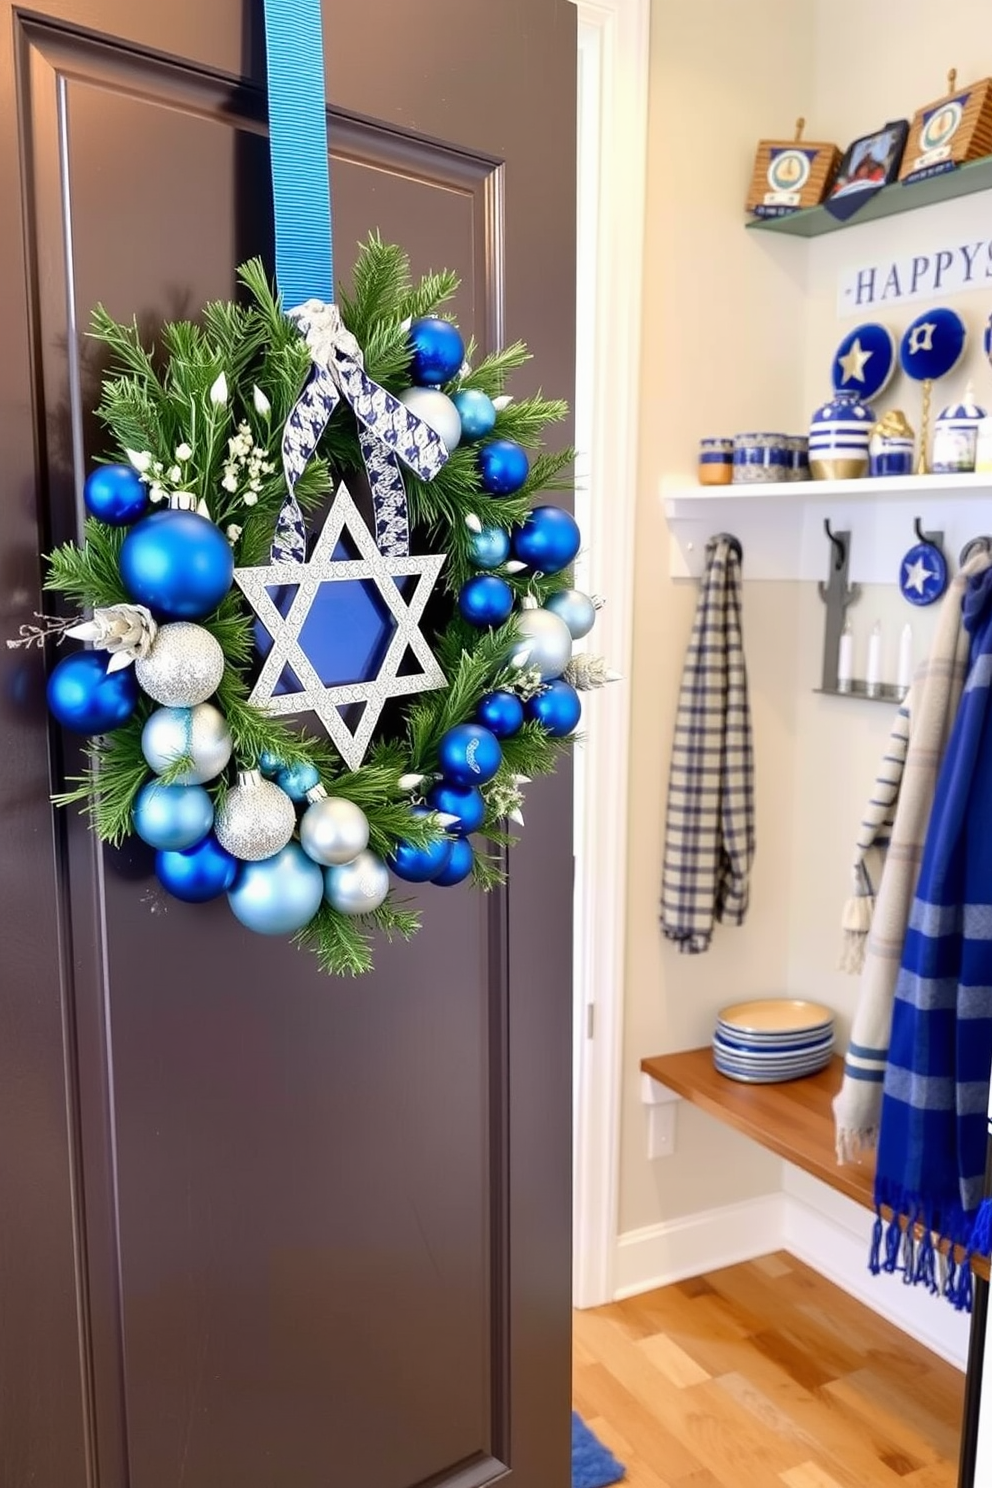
(269, 1228)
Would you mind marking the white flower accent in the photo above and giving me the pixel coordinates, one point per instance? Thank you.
(473, 523)
(230, 482)
(183, 452)
(125, 630)
(218, 392)
(157, 492)
(175, 474)
(140, 459)
(233, 532)
(261, 402)
(250, 498)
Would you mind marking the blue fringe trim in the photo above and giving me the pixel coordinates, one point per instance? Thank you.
(927, 1259)
(926, 1265)
(981, 1235)
(874, 1258)
(893, 1240)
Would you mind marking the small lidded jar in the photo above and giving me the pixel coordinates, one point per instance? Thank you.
(716, 462)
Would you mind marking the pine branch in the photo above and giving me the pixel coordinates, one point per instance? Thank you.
(116, 772)
(491, 373)
(89, 576)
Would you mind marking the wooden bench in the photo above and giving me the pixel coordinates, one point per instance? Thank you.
(795, 1120)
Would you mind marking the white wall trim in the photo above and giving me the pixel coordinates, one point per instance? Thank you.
(661, 1254)
(612, 148)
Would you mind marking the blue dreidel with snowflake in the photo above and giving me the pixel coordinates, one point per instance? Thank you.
(932, 346)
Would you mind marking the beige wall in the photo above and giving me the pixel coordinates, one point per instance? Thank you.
(739, 330)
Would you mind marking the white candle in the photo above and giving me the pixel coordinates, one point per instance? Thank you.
(845, 660)
(905, 659)
(873, 674)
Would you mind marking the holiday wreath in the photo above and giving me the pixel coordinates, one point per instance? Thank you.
(436, 652)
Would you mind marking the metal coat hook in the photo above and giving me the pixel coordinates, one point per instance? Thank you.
(840, 546)
(734, 542)
(972, 546)
(934, 539)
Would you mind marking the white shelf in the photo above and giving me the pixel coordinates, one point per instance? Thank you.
(780, 526)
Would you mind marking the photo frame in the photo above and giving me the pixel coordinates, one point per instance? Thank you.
(872, 161)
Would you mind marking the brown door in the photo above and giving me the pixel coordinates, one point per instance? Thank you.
(258, 1228)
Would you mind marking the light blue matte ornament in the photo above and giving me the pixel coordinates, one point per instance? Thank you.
(178, 564)
(115, 494)
(503, 466)
(438, 351)
(421, 864)
(296, 780)
(459, 865)
(576, 609)
(172, 817)
(485, 600)
(200, 734)
(557, 709)
(477, 412)
(548, 540)
(502, 713)
(270, 764)
(88, 699)
(462, 801)
(357, 887)
(278, 895)
(489, 548)
(437, 410)
(199, 873)
(469, 754)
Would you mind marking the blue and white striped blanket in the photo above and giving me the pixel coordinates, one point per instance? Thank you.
(931, 1151)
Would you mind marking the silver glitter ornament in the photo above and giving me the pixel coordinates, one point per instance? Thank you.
(333, 830)
(577, 610)
(357, 887)
(183, 667)
(437, 410)
(256, 818)
(544, 643)
(201, 733)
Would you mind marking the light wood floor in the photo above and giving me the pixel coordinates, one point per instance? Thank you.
(764, 1375)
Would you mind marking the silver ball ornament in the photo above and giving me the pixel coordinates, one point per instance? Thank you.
(201, 732)
(544, 643)
(256, 819)
(183, 667)
(437, 410)
(576, 609)
(333, 830)
(357, 887)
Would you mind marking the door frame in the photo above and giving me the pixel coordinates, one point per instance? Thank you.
(612, 115)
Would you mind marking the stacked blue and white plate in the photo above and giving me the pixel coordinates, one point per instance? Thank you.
(773, 1040)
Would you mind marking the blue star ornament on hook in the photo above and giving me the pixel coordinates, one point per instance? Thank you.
(371, 598)
(923, 574)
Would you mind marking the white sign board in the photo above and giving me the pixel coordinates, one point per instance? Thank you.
(952, 269)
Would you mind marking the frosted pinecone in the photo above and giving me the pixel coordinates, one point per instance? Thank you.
(125, 630)
(588, 672)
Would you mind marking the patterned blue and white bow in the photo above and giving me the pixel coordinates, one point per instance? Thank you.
(388, 432)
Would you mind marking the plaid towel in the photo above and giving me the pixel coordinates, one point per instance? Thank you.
(931, 706)
(709, 833)
(931, 1148)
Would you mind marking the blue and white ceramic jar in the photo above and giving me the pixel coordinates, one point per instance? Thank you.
(838, 438)
(716, 462)
(760, 459)
(892, 445)
(955, 437)
(797, 447)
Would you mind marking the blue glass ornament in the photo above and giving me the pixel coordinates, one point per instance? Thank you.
(459, 865)
(865, 361)
(548, 540)
(172, 817)
(557, 709)
(278, 895)
(88, 699)
(463, 801)
(503, 466)
(923, 574)
(576, 609)
(296, 780)
(502, 713)
(178, 564)
(116, 495)
(438, 351)
(485, 600)
(469, 754)
(477, 413)
(270, 764)
(489, 548)
(197, 873)
(421, 864)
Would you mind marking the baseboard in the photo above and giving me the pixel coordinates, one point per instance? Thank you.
(832, 1234)
(821, 1227)
(660, 1254)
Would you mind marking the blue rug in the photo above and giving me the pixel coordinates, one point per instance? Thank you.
(593, 1466)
